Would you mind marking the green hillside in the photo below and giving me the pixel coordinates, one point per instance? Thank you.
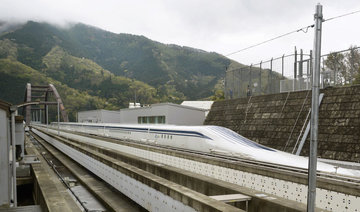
(189, 71)
(82, 83)
(93, 68)
(85, 75)
(14, 76)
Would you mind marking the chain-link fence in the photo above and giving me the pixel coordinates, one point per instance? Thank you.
(269, 76)
(292, 73)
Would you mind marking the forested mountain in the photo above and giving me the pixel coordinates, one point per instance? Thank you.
(103, 66)
(14, 76)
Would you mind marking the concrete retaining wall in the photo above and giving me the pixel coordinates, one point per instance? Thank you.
(277, 120)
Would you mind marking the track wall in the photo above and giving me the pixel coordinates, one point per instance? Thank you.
(279, 120)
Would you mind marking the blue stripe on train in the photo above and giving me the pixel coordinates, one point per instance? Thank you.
(160, 131)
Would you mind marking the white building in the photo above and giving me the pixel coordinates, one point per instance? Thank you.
(206, 105)
(163, 113)
(99, 116)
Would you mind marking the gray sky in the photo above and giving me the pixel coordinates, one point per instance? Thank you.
(212, 25)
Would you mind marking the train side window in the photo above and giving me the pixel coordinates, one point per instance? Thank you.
(161, 119)
(152, 119)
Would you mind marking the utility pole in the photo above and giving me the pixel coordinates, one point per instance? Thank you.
(301, 79)
(301, 64)
(260, 78)
(13, 110)
(314, 111)
(58, 113)
(295, 70)
(47, 115)
(271, 76)
(250, 79)
(282, 66)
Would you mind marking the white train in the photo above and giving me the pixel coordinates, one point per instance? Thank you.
(210, 139)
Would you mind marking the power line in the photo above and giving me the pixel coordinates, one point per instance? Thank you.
(303, 29)
(345, 50)
(343, 15)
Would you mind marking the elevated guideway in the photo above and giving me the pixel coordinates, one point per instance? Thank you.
(147, 189)
(269, 187)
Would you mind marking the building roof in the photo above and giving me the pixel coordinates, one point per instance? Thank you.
(5, 106)
(206, 105)
(111, 111)
(166, 104)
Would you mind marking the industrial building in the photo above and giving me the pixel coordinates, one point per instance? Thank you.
(188, 113)
(206, 105)
(163, 113)
(99, 116)
(11, 153)
(5, 174)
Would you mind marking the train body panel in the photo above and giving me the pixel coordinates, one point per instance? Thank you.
(209, 139)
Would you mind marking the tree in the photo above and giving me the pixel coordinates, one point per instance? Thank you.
(335, 64)
(352, 62)
(343, 68)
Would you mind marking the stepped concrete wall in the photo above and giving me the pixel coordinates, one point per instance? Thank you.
(277, 120)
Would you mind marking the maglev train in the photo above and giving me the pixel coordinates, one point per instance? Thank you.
(207, 138)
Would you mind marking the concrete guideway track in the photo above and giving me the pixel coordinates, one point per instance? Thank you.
(152, 192)
(345, 194)
(48, 189)
(114, 201)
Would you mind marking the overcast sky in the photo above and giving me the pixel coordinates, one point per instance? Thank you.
(212, 25)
